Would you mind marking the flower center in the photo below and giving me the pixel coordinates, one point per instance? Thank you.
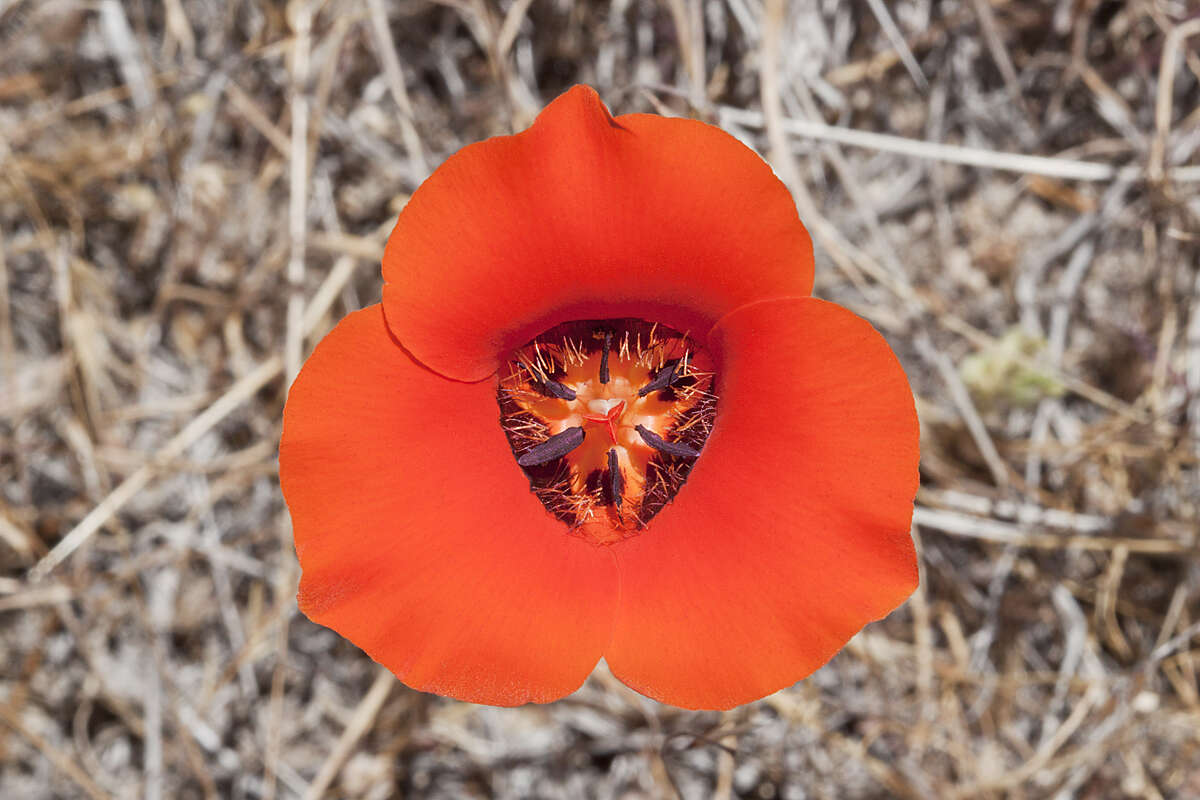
(606, 419)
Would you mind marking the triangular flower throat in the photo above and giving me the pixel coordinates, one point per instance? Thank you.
(606, 418)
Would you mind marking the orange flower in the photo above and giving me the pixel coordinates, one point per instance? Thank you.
(598, 415)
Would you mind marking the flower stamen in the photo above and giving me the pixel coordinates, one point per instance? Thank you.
(662, 379)
(660, 444)
(556, 446)
(604, 376)
(616, 483)
(552, 388)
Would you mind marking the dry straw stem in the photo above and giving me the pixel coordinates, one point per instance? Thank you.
(192, 193)
(360, 722)
(137, 481)
(1051, 167)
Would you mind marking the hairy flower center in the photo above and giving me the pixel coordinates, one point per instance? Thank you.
(606, 418)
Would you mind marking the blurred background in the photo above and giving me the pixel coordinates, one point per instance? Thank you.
(192, 192)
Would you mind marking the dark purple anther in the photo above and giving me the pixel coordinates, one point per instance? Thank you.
(616, 481)
(662, 380)
(555, 389)
(604, 357)
(677, 449)
(556, 446)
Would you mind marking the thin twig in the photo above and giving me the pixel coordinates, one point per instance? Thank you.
(966, 408)
(896, 38)
(241, 391)
(63, 762)
(1163, 99)
(952, 154)
(1006, 533)
(394, 74)
(360, 722)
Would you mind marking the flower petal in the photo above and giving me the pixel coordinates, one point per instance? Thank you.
(586, 216)
(419, 538)
(792, 531)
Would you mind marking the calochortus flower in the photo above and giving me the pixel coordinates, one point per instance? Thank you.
(598, 415)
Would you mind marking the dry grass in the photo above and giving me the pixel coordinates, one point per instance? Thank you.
(192, 192)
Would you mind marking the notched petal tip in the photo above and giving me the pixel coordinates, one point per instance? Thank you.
(579, 106)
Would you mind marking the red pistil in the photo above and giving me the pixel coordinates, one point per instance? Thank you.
(609, 420)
